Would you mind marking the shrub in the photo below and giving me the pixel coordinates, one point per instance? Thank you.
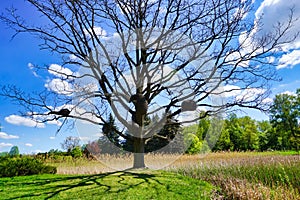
(76, 152)
(23, 166)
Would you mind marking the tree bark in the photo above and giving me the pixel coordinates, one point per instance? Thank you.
(141, 107)
(139, 149)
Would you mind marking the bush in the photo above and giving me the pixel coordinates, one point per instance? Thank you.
(76, 152)
(23, 166)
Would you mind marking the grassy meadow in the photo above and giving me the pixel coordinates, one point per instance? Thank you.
(223, 175)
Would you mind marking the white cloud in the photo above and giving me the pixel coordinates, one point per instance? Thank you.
(250, 94)
(289, 93)
(231, 90)
(55, 122)
(30, 66)
(289, 60)
(52, 138)
(73, 57)
(59, 86)
(61, 72)
(23, 121)
(267, 101)
(28, 145)
(272, 14)
(274, 11)
(6, 136)
(2, 144)
(98, 31)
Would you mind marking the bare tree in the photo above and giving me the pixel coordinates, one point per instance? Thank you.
(70, 143)
(139, 58)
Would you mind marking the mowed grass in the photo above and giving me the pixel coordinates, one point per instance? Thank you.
(116, 185)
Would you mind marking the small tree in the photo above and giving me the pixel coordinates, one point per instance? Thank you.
(14, 151)
(76, 152)
(70, 143)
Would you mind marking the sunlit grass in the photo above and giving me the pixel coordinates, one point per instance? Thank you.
(116, 185)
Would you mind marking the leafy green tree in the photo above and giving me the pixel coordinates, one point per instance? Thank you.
(14, 151)
(265, 135)
(284, 117)
(203, 127)
(243, 133)
(76, 152)
(223, 143)
(192, 142)
(234, 131)
(249, 138)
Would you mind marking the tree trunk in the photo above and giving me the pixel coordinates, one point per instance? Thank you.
(139, 149)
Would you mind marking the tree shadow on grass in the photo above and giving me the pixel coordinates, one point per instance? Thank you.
(52, 187)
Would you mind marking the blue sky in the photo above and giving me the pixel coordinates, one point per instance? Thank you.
(16, 54)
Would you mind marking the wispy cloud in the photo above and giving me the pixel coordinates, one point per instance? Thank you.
(2, 144)
(6, 136)
(28, 145)
(23, 121)
(31, 67)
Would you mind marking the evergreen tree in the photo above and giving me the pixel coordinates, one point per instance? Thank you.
(110, 130)
(14, 151)
(164, 136)
(168, 137)
(110, 143)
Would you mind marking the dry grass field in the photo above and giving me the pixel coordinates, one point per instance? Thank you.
(236, 175)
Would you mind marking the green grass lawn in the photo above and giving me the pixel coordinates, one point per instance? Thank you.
(117, 185)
